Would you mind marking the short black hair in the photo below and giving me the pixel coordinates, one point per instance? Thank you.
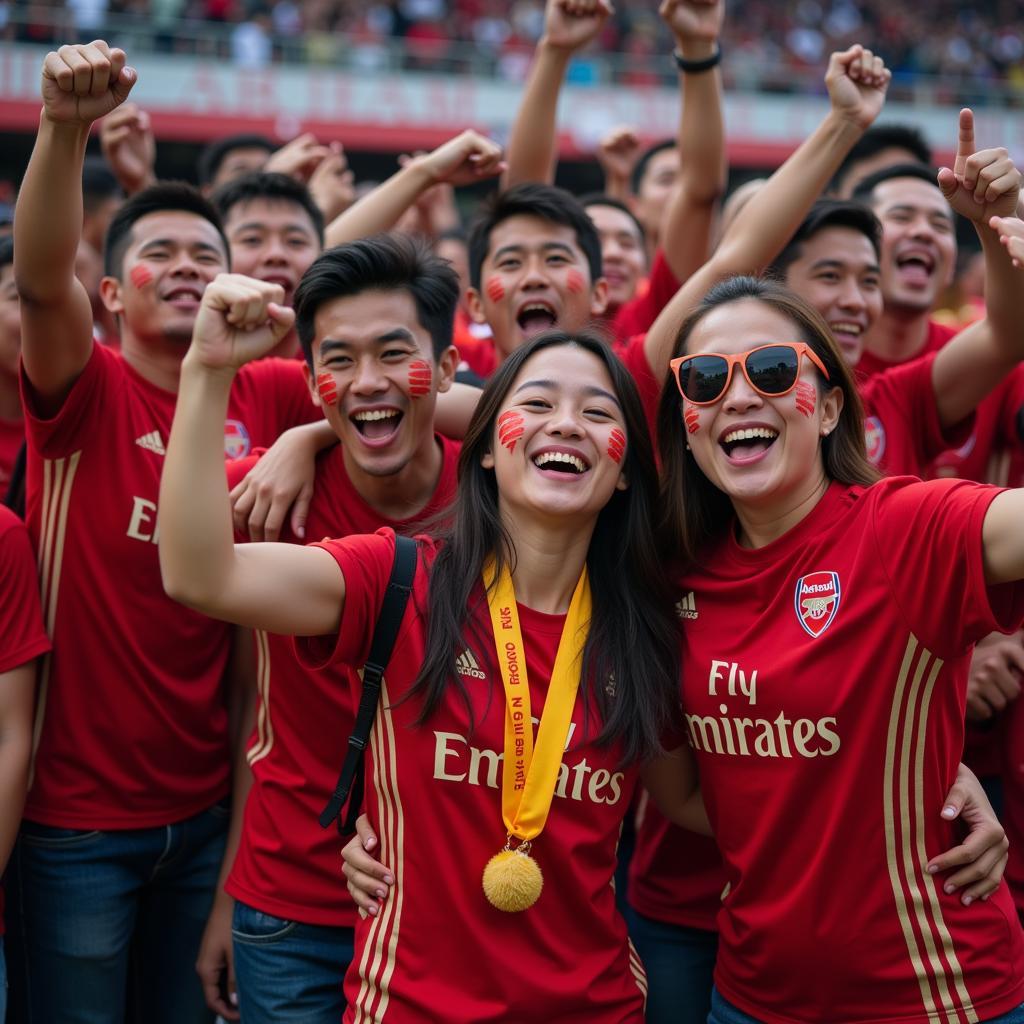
(213, 155)
(6, 251)
(98, 183)
(645, 158)
(546, 202)
(602, 199)
(393, 262)
(828, 213)
(878, 138)
(272, 187)
(164, 196)
(865, 189)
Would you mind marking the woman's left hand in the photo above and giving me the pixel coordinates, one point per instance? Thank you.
(979, 861)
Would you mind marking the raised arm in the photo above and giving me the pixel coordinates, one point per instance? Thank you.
(984, 187)
(685, 237)
(467, 158)
(857, 82)
(1002, 538)
(80, 85)
(569, 25)
(283, 588)
(128, 144)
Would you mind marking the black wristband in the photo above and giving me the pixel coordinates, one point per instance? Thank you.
(695, 67)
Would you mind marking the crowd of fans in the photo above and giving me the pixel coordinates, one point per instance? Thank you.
(975, 52)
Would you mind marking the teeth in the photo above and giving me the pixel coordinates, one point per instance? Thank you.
(847, 328)
(537, 308)
(764, 433)
(545, 457)
(375, 414)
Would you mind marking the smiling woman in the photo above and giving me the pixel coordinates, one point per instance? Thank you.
(541, 592)
(854, 604)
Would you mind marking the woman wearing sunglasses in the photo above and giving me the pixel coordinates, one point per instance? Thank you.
(824, 678)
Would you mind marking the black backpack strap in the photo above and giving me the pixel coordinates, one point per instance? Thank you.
(350, 781)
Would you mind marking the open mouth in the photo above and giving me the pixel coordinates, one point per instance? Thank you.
(747, 443)
(847, 333)
(377, 425)
(566, 463)
(916, 267)
(184, 298)
(536, 317)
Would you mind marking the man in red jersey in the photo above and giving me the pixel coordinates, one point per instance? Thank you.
(125, 821)
(375, 319)
(12, 424)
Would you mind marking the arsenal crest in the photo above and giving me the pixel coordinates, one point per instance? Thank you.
(817, 601)
(236, 439)
(874, 439)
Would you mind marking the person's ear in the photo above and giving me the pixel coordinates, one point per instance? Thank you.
(110, 294)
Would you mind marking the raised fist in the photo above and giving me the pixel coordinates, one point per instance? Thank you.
(84, 82)
(693, 20)
(467, 158)
(571, 24)
(618, 153)
(857, 81)
(129, 147)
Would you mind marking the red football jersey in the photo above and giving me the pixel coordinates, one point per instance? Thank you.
(134, 729)
(21, 617)
(937, 336)
(1013, 798)
(637, 315)
(824, 680)
(438, 948)
(479, 354)
(901, 419)
(287, 865)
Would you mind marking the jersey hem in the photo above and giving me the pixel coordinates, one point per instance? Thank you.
(289, 911)
(106, 820)
(990, 1008)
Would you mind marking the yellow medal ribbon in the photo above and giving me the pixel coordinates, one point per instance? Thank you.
(512, 879)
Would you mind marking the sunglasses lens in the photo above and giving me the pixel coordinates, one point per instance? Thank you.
(773, 370)
(703, 378)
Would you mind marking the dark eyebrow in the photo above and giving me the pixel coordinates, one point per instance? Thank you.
(910, 208)
(259, 225)
(398, 334)
(546, 247)
(156, 242)
(550, 385)
(839, 265)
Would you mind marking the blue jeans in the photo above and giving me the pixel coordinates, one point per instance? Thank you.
(723, 1012)
(288, 972)
(679, 962)
(107, 924)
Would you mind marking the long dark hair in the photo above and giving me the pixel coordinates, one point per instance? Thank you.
(631, 660)
(693, 510)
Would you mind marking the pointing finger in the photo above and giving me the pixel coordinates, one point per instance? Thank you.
(965, 142)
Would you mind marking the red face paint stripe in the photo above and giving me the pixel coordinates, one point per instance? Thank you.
(326, 388)
(575, 282)
(420, 378)
(495, 290)
(140, 275)
(692, 419)
(510, 429)
(616, 445)
(805, 398)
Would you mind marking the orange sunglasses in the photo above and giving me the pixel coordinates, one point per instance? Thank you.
(771, 370)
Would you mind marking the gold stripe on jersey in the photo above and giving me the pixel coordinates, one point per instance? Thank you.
(264, 724)
(58, 479)
(907, 726)
(382, 939)
(636, 967)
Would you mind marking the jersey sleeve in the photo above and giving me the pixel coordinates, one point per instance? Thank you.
(929, 543)
(74, 423)
(21, 617)
(365, 561)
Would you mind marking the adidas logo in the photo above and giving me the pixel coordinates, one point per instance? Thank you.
(467, 665)
(152, 442)
(686, 607)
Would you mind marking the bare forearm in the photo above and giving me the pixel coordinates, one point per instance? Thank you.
(1004, 294)
(381, 209)
(532, 146)
(15, 752)
(196, 538)
(48, 217)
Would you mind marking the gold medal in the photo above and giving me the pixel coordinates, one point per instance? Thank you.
(512, 878)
